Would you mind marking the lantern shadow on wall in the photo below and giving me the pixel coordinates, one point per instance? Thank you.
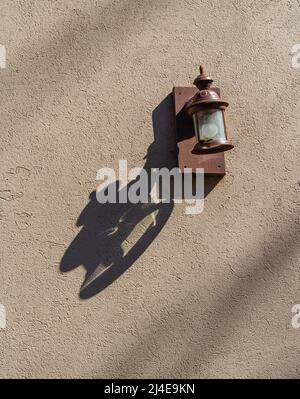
(114, 236)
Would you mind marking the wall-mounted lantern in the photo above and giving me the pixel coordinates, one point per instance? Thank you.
(200, 126)
(207, 111)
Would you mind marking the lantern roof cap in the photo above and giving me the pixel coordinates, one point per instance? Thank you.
(202, 81)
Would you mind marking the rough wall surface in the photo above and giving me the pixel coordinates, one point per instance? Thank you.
(212, 295)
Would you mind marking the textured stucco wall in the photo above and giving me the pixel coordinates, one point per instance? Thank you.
(212, 295)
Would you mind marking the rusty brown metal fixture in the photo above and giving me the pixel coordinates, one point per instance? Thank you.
(206, 105)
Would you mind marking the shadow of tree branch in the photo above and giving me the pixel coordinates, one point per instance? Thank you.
(217, 320)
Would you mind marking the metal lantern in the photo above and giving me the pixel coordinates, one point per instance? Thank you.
(208, 113)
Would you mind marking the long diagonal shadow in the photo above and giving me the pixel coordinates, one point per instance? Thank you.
(107, 227)
(220, 317)
(38, 73)
(99, 246)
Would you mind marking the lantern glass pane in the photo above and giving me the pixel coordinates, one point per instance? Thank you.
(209, 125)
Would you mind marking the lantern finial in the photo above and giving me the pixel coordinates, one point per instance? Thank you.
(202, 82)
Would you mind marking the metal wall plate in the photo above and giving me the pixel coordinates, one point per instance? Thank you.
(213, 164)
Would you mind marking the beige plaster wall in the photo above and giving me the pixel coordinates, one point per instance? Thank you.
(212, 295)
